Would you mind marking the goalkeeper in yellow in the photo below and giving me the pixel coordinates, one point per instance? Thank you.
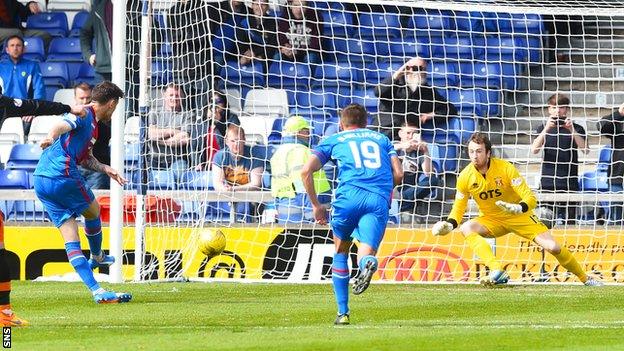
(505, 205)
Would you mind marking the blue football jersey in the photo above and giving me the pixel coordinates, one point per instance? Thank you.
(61, 159)
(363, 160)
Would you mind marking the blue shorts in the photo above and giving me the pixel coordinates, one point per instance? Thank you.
(63, 198)
(360, 214)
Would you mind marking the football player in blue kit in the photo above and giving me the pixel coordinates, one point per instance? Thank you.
(368, 170)
(63, 192)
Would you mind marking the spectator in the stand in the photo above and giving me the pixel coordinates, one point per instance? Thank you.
(299, 33)
(21, 78)
(612, 127)
(418, 174)
(259, 41)
(99, 26)
(101, 150)
(234, 168)
(406, 97)
(561, 139)
(169, 133)
(13, 13)
(208, 133)
(293, 204)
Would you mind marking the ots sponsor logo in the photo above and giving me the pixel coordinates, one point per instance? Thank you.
(424, 264)
(490, 194)
(302, 255)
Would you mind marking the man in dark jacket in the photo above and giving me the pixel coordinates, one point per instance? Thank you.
(299, 33)
(405, 97)
(12, 14)
(99, 26)
(259, 41)
(612, 127)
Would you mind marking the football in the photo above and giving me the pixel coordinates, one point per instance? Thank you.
(211, 242)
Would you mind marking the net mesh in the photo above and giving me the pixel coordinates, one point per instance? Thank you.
(493, 67)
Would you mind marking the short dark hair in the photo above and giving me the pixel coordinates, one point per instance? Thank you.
(412, 124)
(15, 37)
(354, 115)
(481, 139)
(558, 99)
(83, 86)
(106, 91)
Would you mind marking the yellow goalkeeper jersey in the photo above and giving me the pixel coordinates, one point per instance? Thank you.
(502, 181)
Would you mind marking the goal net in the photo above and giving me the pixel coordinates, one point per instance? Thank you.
(488, 66)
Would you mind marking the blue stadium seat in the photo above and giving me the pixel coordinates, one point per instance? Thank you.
(351, 50)
(24, 156)
(276, 131)
(236, 75)
(65, 49)
(480, 74)
(161, 180)
(376, 72)
(365, 98)
(408, 48)
(54, 23)
(604, 158)
(316, 98)
(86, 73)
(162, 73)
(28, 211)
(34, 49)
(220, 212)
(196, 180)
(443, 74)
(593, 181)
(431, 20)
(469, 22)
(336, 74)
(532, 45)
(491, 102)
(289, 75)
(511, 73)
(55, 74)
(467, 101)
(460, 48)
(166, 50)
(14, 179)
(79, 20)
(463, 127)
(379, 25)
(446, 156)
(514, 23)
(337, 23)
(504, 49)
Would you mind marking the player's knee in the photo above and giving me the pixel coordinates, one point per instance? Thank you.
(553, 248)
(468, 227)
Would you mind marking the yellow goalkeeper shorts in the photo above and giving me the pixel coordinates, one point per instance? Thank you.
(527, 226)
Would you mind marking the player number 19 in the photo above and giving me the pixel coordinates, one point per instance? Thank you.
(368, 151)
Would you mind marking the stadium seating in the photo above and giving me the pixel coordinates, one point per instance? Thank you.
(604, 158)
(14, 179)
(55, 74)
(40, 126)
(161, 180)
(161, 73)
(79, 20)
(379, 25)
(289, 75)
(34, 49)
(443, 74)
(237, 75)
(28, 211)
(593, 181)
(64, 96)
(86, 74)
(24, 156)
(54, 23)
(65, 50)
(13, 129)
(196, 180)
(337, 23)
(132, 129)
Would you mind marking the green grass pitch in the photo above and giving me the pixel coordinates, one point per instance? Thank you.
(236, 316)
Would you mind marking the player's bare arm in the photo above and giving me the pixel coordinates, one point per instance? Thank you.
(93, 164)
(397, 170)
(57, 130)
(307, 177)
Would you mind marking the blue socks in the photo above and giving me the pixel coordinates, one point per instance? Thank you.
(93, 229)
(80, 264)
(340, 279)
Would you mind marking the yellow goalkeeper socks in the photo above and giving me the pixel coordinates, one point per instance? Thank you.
(481, 247)
(570, 263)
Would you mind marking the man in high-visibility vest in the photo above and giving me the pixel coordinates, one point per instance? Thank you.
(292, 202)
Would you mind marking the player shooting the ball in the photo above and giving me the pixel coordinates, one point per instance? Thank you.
(506, 205)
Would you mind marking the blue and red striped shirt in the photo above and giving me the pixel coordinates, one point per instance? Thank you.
(61, 159)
